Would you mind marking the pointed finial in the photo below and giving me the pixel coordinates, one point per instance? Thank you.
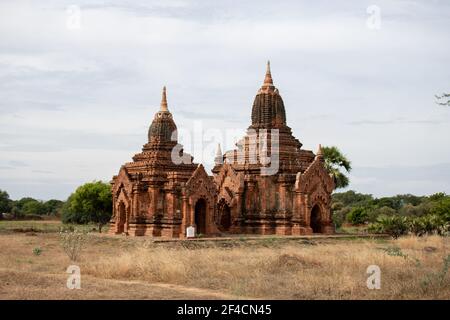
(268, 79)
(320, 152)
(164, 100)
(218, 160)
(219, 150)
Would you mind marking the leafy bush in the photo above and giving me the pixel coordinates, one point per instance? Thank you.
(425, 215)
(339, 216)
(409, 199)
(53, 207)
(438, 196)
(416, 226)
(33, 207)
(73, 243)
(442, 209)
(374, 213)
(37, 251)
(416, 211)
(357, 215)
(419, 226)
(392, 225)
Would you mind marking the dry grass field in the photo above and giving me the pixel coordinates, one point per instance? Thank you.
(266, 268)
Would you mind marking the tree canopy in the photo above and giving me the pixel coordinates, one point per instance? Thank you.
(5, 202)
(398, 214)
(336, 163)
(91, 202)
(28, 206)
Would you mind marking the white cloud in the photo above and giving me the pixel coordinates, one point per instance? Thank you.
(73, 96)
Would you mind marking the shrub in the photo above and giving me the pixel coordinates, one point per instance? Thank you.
(357, 215)
(33, 207)
(442, 209)
(37, 251)
(391, 202)
(416, 226)
(419, 226)
(409, 199)
(336, 206)
(395, 226)
(438, 196)
(417, 211)
(374, 213)
(430, 224)
(339, 216)
(73, 243)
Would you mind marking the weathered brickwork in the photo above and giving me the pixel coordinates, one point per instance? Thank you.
(268, 185)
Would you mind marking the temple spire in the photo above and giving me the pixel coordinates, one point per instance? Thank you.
(268, 81)
(320, 152)
(164, 100)
(218, 160)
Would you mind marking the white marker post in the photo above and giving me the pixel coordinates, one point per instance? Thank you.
(190, 232)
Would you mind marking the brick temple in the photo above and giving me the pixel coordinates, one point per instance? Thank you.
(267, 185)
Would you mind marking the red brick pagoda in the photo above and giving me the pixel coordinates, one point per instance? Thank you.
(268, 185)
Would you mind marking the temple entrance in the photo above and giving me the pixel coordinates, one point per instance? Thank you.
(200, 216)
(225, 217)
(121, 218)
(315, 222)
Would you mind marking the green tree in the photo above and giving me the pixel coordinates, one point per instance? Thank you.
(409, 199)
(352, 198)
(91, 202)
(358, 215)
(26, 206)
(374, 213)
(442, 209)
(336, 163)
(33, 207)
(416, 211)
(391, 202)
(5, 202)
(53, 207)
(437, 196)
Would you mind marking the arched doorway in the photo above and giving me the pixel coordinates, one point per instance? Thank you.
(225, 217)
(121, 218)
(315, 221)
(200, 216)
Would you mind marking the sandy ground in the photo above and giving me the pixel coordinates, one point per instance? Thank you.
(138, 268)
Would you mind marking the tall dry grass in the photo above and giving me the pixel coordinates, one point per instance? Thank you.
(411, 267)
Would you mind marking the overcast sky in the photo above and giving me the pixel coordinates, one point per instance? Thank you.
(78, 92)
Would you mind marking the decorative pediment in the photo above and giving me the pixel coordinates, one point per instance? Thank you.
(122, 181)
(315, 177)
(200, 181)
(229, 183)
(228, 177)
